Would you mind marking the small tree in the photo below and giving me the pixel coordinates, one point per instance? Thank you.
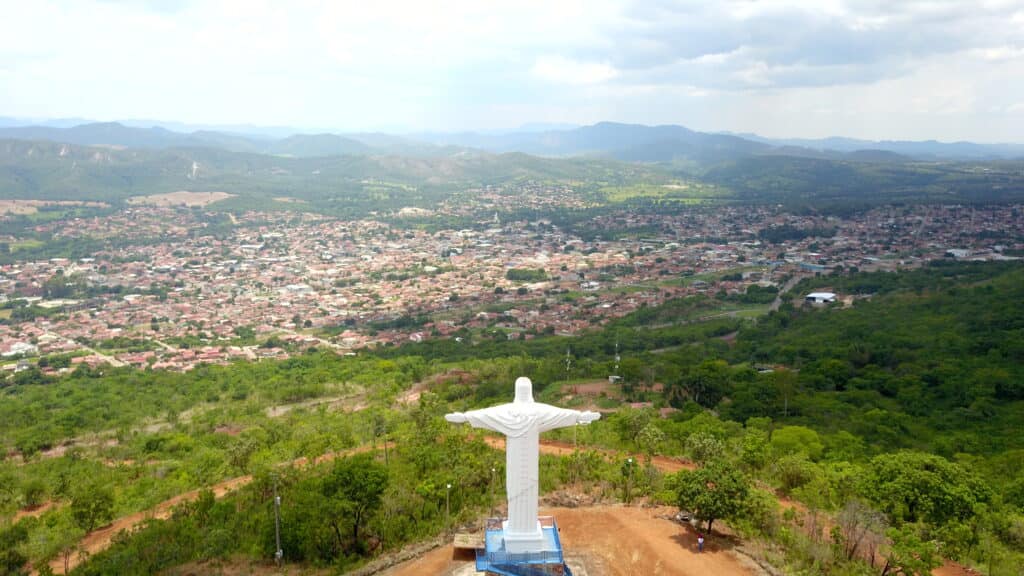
(859, 528)
(356, 485)
(754, 448)
(908, 554)
(718, 490)
(34, 492)
(796, 440)
(92, 505)
(704, 447)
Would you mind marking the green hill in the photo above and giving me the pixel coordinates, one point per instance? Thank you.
(339, 184)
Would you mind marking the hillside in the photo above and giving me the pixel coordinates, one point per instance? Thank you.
(627, 142)
(339, 184)
(116, 135)
(805, 180)
(350, 184)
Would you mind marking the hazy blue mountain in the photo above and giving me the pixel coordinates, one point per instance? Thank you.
(663, 144)
(155, 137)
(631, 142)
(247, 130)
(8, 121)
(102, 133)
(670, 143)
(308, 145)
(923, 150)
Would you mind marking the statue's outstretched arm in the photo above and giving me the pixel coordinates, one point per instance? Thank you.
(456, 418)
(588, 417)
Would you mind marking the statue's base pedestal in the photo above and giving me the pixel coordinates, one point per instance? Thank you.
(519, 553)
(523, 542)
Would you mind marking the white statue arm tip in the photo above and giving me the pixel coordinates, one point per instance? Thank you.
(588, 417)
(456, 418)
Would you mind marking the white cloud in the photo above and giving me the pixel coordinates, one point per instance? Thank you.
(782, 66)
(561, 70)
(998, 53)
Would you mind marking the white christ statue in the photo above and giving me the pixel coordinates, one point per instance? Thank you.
(522, 421)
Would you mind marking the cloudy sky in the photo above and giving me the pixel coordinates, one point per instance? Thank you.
(911, 69)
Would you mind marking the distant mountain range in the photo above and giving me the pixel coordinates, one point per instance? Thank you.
(626, 142)
(119, 135)
(923, 149)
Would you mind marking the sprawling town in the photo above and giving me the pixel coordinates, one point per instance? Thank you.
(176, 286)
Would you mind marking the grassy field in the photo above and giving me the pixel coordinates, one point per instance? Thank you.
(683, 192)
(26, 244)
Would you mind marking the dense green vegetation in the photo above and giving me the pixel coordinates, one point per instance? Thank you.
(893, 422)
(823, 183)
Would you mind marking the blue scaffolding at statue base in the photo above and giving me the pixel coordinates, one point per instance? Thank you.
(493, 558)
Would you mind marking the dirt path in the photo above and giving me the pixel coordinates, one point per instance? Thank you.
(559, 448)
(99, 540)
(32, 512)
(951, 568)
(434, 563)
(785, 288)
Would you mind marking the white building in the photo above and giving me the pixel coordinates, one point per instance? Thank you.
(820, 298)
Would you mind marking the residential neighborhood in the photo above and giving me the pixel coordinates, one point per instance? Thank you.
(174, 287)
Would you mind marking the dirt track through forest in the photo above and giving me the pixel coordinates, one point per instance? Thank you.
(99, 540)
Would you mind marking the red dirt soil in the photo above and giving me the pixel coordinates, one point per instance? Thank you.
(30, 512)
(625, 541)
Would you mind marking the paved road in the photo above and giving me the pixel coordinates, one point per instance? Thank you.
(785, 288)
(106, 357)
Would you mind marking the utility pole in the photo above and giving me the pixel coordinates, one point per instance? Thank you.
(447, 510)
(629, 477)
(575, 452)
(617, 357)
(279, 554)
(491, 500)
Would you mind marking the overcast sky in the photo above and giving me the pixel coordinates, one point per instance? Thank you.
(905, 69)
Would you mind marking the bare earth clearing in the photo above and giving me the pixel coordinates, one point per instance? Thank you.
(615, 541)
(182, 198)
(24, 207)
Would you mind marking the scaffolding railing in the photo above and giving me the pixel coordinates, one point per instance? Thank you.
(503, 558)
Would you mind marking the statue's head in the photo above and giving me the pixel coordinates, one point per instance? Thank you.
(524, 389)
